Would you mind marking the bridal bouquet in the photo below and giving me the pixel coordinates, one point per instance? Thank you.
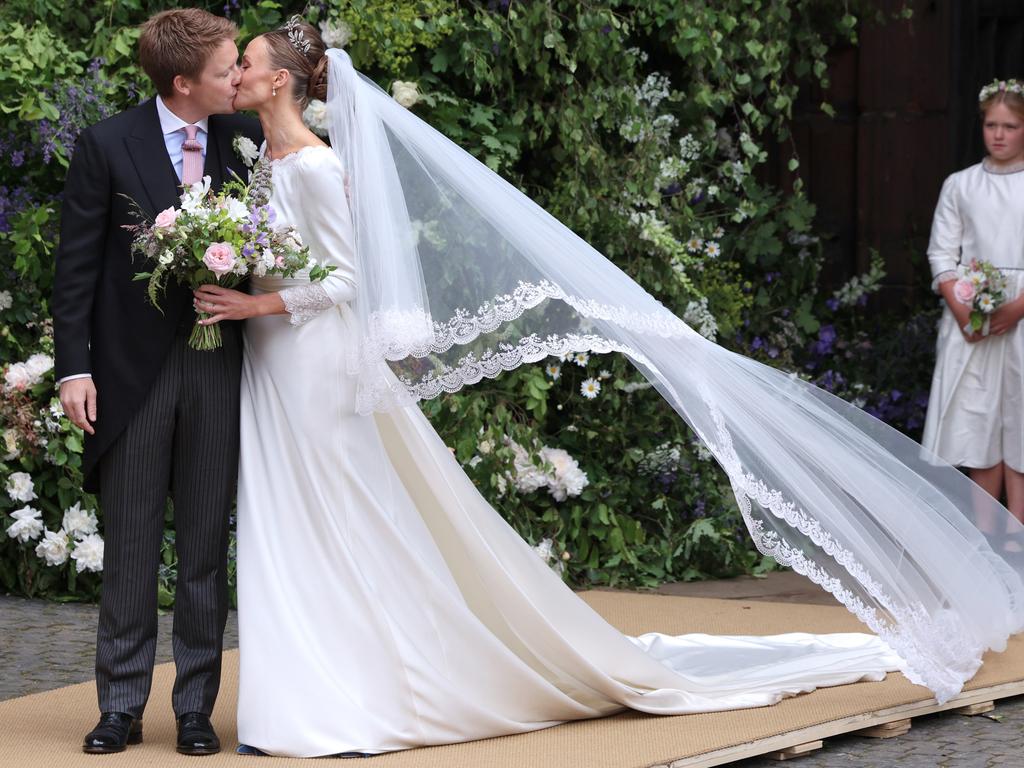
(219, 238)
(982, 287)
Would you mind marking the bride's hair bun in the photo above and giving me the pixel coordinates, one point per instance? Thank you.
(317, 87)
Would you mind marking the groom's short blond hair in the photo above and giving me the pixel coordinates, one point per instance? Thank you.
(179, 42)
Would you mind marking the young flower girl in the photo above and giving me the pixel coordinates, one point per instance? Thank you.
(976, 408)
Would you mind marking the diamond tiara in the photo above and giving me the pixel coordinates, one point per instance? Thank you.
(296, 36)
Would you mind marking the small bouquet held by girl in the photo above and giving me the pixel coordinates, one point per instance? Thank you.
(219, 238)
(982, 287)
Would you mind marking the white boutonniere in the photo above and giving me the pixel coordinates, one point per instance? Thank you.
(246, 149)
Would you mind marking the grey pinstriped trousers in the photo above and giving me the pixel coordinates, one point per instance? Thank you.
(183, 439)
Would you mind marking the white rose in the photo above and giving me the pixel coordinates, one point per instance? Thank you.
(20, 486)
(79, 522)
(88, 553)
(315, 117)
(10, 444)
(486, 446)
(27, 525)
(267, 259)
(405, 93)
(335, 35)
(528, 478)
(167, 257)
(247, 150)
(568, 479)
(19, 377)
(53, 548)
(263, 262)
(6, 300)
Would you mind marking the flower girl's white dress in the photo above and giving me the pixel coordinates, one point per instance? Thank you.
(383, 604)
(976, 407)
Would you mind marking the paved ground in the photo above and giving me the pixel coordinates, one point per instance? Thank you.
(47, 645)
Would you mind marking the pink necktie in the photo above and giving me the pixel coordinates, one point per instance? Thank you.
(192, 152)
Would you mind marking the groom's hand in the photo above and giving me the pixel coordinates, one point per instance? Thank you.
(78, 396)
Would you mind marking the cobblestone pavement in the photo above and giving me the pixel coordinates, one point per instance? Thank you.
(49, 645)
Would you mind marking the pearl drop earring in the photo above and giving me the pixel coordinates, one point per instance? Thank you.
(273, 90)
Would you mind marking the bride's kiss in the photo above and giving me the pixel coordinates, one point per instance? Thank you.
(383, 603)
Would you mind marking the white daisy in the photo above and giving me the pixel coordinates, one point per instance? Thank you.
(590, 388)
(554, 370)
(581, 359)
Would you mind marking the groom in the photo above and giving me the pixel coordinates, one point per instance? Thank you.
(160, 418)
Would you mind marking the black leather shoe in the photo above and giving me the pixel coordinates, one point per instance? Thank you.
(196, 735)
(113, 733)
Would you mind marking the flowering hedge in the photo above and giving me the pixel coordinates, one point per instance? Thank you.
(640, 124)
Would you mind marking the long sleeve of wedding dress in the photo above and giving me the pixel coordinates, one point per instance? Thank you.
(328, 222)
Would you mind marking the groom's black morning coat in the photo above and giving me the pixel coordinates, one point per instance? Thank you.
(103, 322)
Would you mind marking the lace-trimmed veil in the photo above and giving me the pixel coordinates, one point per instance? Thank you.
(461, 277)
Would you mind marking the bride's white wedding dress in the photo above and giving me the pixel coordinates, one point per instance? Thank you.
(384, 604)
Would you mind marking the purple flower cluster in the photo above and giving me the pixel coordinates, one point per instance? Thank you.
(80, 102)
(758, 344)
(896, 407)
(826, 338)
(13, 200)
(831, 381)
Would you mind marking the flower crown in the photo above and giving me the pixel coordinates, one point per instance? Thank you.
(295, 34)
(998, 86)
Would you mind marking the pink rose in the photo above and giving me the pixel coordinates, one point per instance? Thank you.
(220, 258)
(964, 291)
(166, 218)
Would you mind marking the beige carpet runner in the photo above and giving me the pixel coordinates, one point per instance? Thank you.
(45, 730)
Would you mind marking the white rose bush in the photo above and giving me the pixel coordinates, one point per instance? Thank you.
(45, 548)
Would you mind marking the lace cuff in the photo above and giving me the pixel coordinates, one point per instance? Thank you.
(942, 277)
(304, 302)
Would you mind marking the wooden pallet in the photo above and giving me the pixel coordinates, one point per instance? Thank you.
(883, 724)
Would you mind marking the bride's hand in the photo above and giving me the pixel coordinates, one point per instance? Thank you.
(224, 304)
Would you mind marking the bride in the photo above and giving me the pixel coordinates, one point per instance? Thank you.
(383, 604)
